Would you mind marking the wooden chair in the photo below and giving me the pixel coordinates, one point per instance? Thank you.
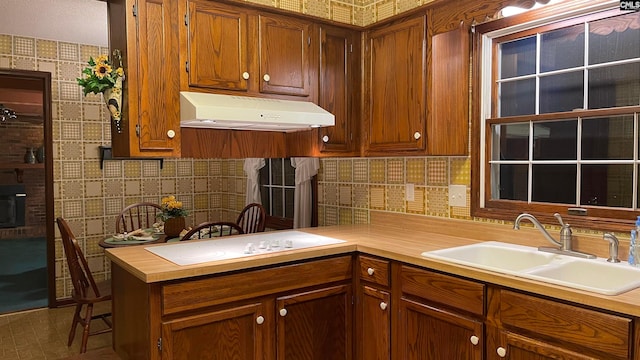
(252, 219)
(85, 290)
(212, 229)
(137, 216)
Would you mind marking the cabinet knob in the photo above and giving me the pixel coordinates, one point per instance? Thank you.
(383, 305)
(474, 340)
(502, 352)
(283, 312)
(325, 138)
(245, 75)
(171, 134)
(417, 135)
(266, 77)
(370, 271)
(260, 320)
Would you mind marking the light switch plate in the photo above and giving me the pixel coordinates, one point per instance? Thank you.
(457, 195)
(409, 192)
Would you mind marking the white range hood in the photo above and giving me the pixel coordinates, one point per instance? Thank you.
(215, 111)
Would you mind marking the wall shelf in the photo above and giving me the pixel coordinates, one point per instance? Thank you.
(19, 168)
(105, 154)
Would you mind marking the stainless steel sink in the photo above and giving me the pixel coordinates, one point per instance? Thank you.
(595, 275)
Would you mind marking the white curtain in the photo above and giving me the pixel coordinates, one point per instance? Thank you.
(252, 168)
(306, 168)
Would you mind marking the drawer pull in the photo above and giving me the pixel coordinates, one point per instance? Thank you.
(245, 75)
(266, 77)
(260, 320)
(383, 305)
(502, 352)
(283, 312)
(474, 340)
(370, 271)
(171, 134)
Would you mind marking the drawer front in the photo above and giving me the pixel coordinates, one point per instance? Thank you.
(195, 294)
(448, 290)
(586, 329)
(374, 270)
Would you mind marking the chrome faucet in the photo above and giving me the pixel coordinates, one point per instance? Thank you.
(563, 246)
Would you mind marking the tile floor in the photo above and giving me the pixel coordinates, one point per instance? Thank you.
(41, 334)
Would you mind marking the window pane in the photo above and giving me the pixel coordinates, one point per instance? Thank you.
(518, 58)
(289, 199)
(513, 182)
(607, 138)
(276, 172)
(562, 49)
(277, 209)
(554, 183)
(518, 97)
(289, 173)
(513, 141)
(562, 92)
(607, 185)
(555, 140)
(612, 86)
(614, 38)
(265, 196)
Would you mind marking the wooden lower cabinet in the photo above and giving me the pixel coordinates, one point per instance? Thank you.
(315, 324)
(429, 333)
(295, 311)
(375, 336)
(235, 333)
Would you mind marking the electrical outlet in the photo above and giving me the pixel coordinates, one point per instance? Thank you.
(409, 192)
(457, 195)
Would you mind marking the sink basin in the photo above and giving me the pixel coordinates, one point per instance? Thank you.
(494, 256)
(591, 275)
(595, 275)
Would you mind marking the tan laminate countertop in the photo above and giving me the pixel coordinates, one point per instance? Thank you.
(400, 242)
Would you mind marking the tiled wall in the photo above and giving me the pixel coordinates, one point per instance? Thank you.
(354, 12)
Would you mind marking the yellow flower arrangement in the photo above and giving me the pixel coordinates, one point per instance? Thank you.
(101, 75)
(171, 208)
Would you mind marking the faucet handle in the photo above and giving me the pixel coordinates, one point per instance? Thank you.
(560, 220)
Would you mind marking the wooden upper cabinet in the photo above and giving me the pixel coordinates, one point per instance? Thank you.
(396, 87)
(338, 89)
(217, 46)
(285, 45)
(146, 32)
(448, 112)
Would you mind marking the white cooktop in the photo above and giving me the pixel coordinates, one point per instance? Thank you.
(196, 252)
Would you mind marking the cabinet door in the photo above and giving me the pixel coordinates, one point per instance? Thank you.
(284, 45)
(315, 325)
(448, 124)
(429, 333)
(157, 95)
(516, 347)
(217, 47)
(396, 57)
(339, 49)
(375, 341)
(232, 334)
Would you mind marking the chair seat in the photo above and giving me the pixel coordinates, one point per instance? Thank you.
(104, 287)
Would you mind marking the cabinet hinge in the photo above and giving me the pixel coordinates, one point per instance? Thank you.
(186, 66)
(186, 19)
(134, 10)
(138, 130)
(351, 48)
(308, 40)
(160, 344)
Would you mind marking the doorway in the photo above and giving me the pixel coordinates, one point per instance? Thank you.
(27, 276)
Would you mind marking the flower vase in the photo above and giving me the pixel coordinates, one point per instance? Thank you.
(29, 156)
(174, 226)
(113, 99)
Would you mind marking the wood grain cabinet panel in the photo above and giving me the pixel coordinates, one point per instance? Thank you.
(396, 87)
(146, 32)
(374, 270)
(217, 46)
(375, 335)
(315, 324)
